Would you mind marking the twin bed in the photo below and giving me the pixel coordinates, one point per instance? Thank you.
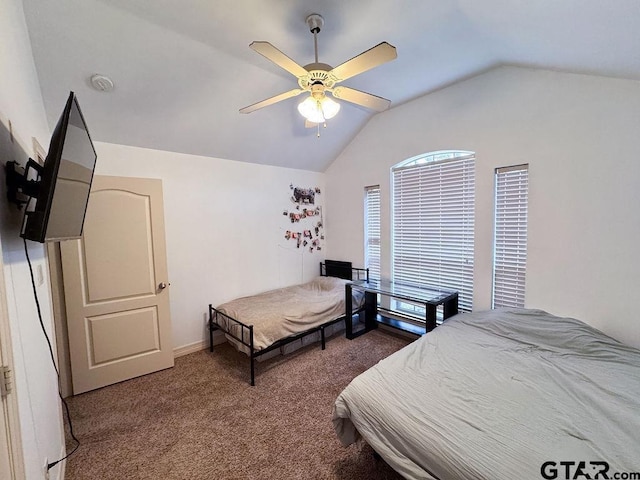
(501, 394)
(263, 323)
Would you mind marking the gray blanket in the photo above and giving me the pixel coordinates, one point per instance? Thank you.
(284, 312)
(494, 395)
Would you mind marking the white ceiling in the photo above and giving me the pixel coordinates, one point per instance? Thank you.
(183, 68)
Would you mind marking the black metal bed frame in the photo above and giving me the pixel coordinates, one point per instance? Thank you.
(329, 268)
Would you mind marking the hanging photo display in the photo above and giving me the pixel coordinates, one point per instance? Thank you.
(306, 218)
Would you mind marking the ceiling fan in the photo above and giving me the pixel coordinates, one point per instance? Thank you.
(318, 79)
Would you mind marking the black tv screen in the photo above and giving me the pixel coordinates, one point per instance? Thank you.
(67, 173)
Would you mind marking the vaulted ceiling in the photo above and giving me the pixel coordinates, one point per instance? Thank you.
(183, 69)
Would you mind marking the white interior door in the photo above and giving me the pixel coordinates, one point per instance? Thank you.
(115, 283)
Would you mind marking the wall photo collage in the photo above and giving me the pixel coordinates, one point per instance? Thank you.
(305, 217)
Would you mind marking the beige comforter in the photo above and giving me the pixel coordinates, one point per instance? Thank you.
(284, 312)
(495, 395)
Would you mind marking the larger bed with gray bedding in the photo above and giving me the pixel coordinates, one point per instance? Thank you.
(502, 394)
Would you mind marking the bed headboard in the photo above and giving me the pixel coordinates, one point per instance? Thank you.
(341, 269)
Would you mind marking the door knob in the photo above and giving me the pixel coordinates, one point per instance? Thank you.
(162, 285)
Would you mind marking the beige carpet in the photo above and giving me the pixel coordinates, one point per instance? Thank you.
(202, 420)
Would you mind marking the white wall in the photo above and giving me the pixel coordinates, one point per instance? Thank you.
(35, 379)
(224, 227)
(580, 136)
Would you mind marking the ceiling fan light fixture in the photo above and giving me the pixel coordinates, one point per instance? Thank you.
(330, 107)
(311, 109)
(317, 110)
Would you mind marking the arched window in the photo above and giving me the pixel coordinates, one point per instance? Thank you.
(433, 223)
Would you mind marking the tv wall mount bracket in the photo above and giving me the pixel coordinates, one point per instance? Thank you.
(19, 187)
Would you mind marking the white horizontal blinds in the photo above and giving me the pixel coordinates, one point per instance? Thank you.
(372, 230)
(510, 236)
(433, 222)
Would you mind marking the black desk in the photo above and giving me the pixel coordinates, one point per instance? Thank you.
(430, 297)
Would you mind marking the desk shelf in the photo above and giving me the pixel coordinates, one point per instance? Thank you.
(404, 325)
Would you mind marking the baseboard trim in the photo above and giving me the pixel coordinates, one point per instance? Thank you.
(190, 348)
(197, 346)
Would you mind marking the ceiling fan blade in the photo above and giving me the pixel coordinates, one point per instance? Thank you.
(276, 56)
(308, 124)
(271, 100)
(373, 57)
(361, 98)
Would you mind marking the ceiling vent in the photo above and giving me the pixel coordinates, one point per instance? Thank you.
(101, 83)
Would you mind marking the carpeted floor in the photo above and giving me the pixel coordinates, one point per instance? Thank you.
(202, 420)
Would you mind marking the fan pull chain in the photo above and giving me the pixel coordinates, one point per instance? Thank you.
(324, 125)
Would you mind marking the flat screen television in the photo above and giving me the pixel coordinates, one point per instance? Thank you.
(62, 191)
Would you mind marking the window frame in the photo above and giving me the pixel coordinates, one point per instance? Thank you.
(445, 161)
(372, 223)
(511, 200)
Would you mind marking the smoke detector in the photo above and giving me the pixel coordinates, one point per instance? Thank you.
(101, 83)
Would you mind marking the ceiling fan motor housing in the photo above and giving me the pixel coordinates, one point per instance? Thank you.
(318, 73)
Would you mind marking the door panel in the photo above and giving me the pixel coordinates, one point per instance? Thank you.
(108, 345)
(131, 244)
(117, 313)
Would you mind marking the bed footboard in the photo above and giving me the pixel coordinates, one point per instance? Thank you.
(229, 324)
(228, 329)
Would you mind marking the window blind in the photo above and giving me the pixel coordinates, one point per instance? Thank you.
(372, 230)
(510, 236)
(433, 222)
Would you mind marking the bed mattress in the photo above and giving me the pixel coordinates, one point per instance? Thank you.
(499, 395)
(284, 312)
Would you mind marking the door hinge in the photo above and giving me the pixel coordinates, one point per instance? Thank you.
(5, 381)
